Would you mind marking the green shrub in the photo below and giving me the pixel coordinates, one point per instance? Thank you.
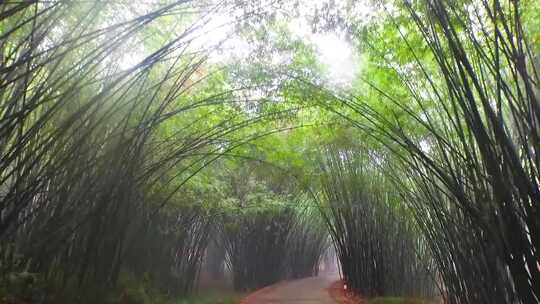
(397, 300)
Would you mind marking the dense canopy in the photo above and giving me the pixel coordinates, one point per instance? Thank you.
(147, 145)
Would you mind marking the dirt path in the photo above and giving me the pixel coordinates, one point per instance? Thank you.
(304, 291)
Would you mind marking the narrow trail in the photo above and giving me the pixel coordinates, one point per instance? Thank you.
(312, 290)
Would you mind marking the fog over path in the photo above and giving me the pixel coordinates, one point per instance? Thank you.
(306, 291)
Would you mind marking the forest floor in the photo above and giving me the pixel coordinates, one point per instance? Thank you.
(214, 290)
(313, 290)
(340, 296)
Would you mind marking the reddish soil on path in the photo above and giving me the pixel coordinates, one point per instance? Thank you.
(342, 296)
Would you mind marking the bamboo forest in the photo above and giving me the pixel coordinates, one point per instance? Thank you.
(270, 151)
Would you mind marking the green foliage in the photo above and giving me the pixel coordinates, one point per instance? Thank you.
(211, 299)
(22, 286)
(395, 300)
